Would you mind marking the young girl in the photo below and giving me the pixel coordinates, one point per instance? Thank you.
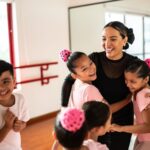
(98, 119)
(137, 78)
(83, 70)
(70, 129)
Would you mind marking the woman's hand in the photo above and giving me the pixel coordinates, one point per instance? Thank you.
(116, 127)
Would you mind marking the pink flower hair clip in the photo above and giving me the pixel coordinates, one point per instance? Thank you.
(64, 54)
(148, 62)
(72, 119)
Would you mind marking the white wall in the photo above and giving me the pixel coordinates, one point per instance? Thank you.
(42, 31)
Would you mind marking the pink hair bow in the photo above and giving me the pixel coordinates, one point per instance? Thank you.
(72, 119)
(64, 54)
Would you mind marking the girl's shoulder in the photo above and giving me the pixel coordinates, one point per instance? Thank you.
(143, 92)
(19, 97)
(142, 100)
(91, 144)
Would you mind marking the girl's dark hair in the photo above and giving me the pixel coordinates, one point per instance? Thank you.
(66, 90)
(70, 139)
(96, 113)
(139, 67)
(5, 66)
(71, 63)
(123, 30)
(67, 85)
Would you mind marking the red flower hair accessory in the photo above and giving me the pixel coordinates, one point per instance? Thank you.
(64, 54)
(148, 62)
(72, 119)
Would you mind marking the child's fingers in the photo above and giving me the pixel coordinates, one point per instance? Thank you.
(19, 125)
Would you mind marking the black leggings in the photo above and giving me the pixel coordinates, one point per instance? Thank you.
(116, 140)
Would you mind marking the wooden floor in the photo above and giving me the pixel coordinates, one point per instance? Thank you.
(38, 136)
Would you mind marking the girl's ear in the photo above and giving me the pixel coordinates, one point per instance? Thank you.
(147, 79)
(74, 75)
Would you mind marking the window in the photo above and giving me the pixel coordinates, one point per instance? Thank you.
(141, 28)
(6, 42)
(137, 47)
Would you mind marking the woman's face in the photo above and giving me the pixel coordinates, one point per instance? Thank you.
(113, 43)
(85, 69)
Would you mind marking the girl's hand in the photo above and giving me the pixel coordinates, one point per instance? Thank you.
(115, 127)
(18, 125)
(9, 118)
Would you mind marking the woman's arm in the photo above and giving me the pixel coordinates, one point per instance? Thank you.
(139, 128)
(119, 105)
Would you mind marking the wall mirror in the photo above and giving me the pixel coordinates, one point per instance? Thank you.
(86, 23)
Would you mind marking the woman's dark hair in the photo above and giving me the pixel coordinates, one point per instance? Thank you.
(70, 139)
(96, 113)
(123, 30)
(5, 66)
(139, 67)
(71, 63)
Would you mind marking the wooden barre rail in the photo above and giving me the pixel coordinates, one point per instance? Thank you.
(43, 67)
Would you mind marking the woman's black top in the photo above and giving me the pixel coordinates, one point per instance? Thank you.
(111, 83)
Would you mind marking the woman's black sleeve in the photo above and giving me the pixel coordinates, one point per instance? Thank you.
(66, 89)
